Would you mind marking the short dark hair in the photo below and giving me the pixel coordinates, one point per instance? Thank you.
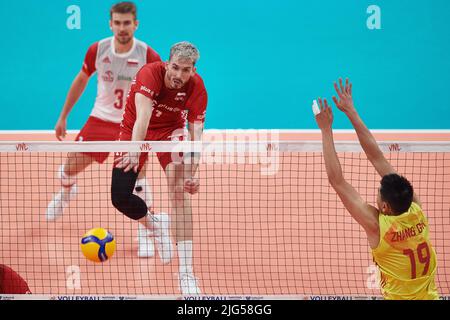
(397, 191)
(124, 7)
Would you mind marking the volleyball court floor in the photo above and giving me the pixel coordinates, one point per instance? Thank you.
(279, 234)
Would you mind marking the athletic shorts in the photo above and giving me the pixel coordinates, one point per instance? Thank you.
(163, 134)
(96, 129)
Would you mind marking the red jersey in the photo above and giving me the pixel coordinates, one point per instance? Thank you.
(11, 282)
(172, 107)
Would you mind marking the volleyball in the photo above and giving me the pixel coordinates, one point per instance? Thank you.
(98, 245)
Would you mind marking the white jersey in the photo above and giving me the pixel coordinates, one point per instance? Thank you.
(115, 71)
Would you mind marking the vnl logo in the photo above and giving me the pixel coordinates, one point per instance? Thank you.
(394, 147)
(270, 159)
(21, 147)
(145, 147)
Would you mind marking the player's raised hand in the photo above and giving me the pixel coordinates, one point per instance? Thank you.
(324, 118)
(128, 161)
(60, 129)
(344, 92)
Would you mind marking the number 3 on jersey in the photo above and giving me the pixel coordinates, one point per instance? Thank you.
(118, 104)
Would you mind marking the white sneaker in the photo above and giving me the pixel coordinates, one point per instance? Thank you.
(59, 202)
(145, 239)
(189, 284)
(162, 237)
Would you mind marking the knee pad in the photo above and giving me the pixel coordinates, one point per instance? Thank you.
(135, 215)
(122, 196)
(130, 205)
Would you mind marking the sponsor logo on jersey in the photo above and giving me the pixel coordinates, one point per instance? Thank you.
(108, 76)
(168, 108)
(145, 89)
(125, 78)
(180, 96)
(132, 62)
(106, 60)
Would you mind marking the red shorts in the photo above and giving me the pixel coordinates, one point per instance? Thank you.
(96, 129)
(164, 134)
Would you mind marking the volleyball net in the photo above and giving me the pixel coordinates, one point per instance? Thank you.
(266, 222)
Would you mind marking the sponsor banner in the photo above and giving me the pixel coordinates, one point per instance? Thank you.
(83, 297)
(4, 297)
(245, 298)
(342, 297)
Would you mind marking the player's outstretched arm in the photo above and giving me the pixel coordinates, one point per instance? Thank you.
(344, 102)
(192, 185)
(144, 110)
(76, 90)
(195, 134)
(364, 214)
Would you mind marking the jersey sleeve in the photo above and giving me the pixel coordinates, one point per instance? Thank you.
(148, 82)
(197, 106)
(152, 56)
(89, 59)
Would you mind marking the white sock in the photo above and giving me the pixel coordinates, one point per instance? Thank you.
(185, 256)
(142, 231)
